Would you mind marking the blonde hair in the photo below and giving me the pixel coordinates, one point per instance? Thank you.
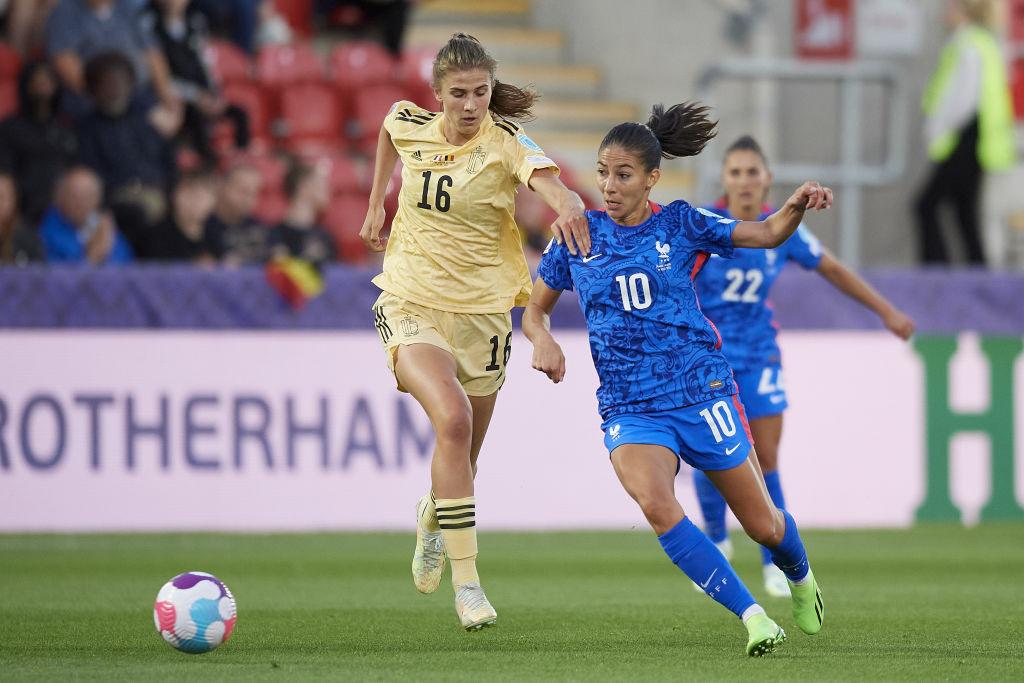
(981, 12)
(463, 52)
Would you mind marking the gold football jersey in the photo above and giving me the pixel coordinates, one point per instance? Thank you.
(454, 243)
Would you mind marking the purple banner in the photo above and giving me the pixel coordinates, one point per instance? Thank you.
(186, 297)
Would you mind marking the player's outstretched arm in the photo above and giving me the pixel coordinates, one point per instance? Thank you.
(383, 167)
(777, 228)
(571, 225)
(547, 354)
(854, 286)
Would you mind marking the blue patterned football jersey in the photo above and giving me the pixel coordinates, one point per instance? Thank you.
(734, 295)
(651, 344)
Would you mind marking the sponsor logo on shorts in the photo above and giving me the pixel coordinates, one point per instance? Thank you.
(614, 431)
(777, 398)
(716, 384)
(729, 451)
(410, 328)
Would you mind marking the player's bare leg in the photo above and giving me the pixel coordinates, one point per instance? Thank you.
(744, 490)
(647, 473)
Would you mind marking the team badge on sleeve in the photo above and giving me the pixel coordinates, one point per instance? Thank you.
(710, 214)
(526, 142)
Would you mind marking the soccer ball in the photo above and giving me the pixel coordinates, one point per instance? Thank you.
(195, 612)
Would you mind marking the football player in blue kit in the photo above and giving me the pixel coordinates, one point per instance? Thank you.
(733, 294)
(666, 391)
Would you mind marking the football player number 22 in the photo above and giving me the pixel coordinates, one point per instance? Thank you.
(442, 200)
(719, 418)
(636, 291)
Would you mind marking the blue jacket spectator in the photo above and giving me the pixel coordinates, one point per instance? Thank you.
(75, 230)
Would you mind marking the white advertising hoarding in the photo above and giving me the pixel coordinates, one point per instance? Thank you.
(289, 431)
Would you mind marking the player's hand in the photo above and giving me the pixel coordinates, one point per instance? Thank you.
(572, 229)
(810, 195)
(372, 225)
(899, 323)
(549, 359)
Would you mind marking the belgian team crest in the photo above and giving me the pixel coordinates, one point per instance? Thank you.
(476, 160)
(409, 327)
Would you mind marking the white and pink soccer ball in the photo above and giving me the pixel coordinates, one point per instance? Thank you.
(195, 612)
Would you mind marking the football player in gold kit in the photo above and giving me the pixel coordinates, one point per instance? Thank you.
(453, 269)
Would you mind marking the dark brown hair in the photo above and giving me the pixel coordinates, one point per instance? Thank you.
(746, 143)
(463, 52)
(681, 131)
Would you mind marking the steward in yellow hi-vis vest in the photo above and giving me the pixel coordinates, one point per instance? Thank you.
(454, 243)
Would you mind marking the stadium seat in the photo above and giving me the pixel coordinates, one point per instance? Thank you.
(271, 207)
(281, 65)
(310, 112)
(228, 62)
(371, 106)
(417, 72)
(343, 174)
(356, 64)
(343, 219)
(10, 63)
(251, 98)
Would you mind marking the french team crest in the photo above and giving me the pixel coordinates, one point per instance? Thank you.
(664, 260)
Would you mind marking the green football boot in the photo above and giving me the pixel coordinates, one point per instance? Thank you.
(808, 608)
(765, 636)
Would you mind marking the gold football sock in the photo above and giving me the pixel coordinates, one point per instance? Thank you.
(457, 519)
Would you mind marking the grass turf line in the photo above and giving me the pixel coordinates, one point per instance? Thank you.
(933, 603)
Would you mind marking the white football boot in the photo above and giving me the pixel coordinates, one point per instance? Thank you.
(428, 558)
(775, 583)
(473, 608)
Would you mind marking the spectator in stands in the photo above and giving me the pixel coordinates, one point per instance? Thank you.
(36, 145)
(128, 145)
(299, 235)
(238, 19)
(26, 23)
(76, 229)
(180, 236)
(19, 244)
(182, 36)
(232, 234)
(389, 18)
(273, 29)
(79, 30)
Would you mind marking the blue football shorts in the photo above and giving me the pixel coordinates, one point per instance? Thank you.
(762, 390)
(713, 435)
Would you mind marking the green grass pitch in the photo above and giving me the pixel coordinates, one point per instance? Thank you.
(935, 603)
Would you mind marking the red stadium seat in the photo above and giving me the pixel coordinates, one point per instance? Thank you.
(372, 104)
(8, 97)
(281, 65)
(310, 112)
(10, 63)
(272, 207)
(343, 219)
(343, 174)
(358, 63)
(417, 74)
(228, 62)
(251, 98)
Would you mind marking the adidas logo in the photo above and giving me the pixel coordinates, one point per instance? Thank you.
(417, 156)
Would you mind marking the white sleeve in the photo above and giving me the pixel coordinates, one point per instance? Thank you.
(959, 103)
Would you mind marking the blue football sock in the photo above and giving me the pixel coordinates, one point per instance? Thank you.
(790, 556)
(694, 553)
(774, 484)
(712, 506)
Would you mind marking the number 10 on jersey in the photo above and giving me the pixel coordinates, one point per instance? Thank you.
(635, 290)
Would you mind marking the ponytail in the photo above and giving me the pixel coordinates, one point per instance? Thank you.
(681, 131)
(463, 52)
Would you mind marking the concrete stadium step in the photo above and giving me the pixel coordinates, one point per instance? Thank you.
(565, 81)
(581, 115)
(489, 12)
(508, 45)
